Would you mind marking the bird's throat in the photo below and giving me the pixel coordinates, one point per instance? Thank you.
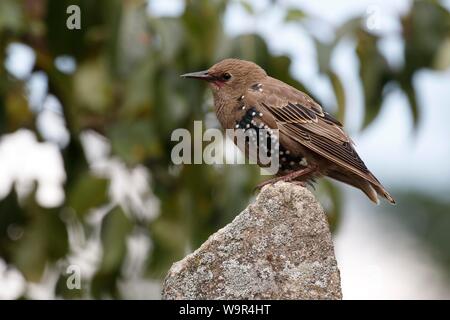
(218, 84)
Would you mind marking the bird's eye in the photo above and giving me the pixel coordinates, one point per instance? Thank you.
(226, 76)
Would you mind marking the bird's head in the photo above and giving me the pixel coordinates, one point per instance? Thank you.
(230, 76)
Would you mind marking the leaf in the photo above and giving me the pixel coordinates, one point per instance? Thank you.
(200, 41)
(92, 87)
(11, 16)
(295, 15)
(425, 29)
(44, 240)
(331, 198)
(3, 119)
(339, 93)
(115, 229)
(17, 112)
(324, 51)
(87, 192)
(248, 7)
(374, 73)
(349, 28)
(408, 88)
(134, 141)
(442, 59)
(139, 92)
(12, 220)
(169, 243)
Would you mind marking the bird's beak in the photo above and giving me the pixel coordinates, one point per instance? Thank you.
(202, 75)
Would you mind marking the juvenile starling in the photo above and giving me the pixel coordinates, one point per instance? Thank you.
(311, 142)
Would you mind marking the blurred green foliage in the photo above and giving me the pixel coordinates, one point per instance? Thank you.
(126, 87)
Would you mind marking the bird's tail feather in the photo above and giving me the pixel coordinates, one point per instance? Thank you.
(383, 193)
(370, 189)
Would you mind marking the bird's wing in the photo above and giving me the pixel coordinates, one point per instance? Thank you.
(300, 118)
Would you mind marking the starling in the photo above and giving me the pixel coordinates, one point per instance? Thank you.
(311, 142)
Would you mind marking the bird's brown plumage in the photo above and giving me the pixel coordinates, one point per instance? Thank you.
(308, 136)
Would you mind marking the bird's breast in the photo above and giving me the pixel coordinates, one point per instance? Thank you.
(263, 138)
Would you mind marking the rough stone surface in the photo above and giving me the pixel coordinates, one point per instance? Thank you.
(279, 247)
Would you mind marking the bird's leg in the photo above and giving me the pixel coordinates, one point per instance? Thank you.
(289, 177)
(299, 183)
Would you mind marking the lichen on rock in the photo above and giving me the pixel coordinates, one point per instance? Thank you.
(279, 247)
